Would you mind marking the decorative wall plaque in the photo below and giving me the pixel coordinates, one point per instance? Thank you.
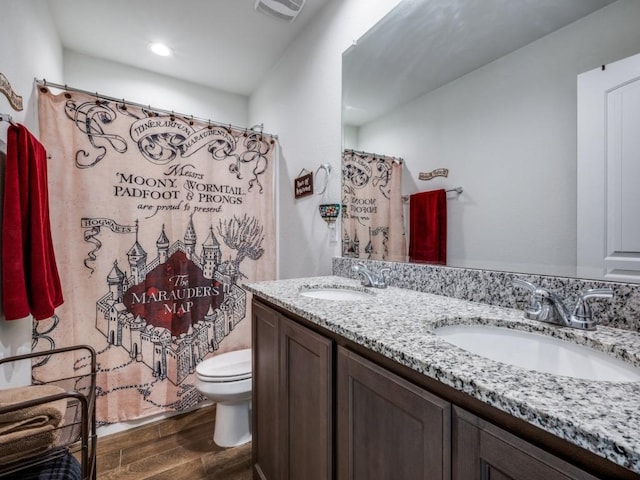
(303, 184)
(438, 172)
(15, 100)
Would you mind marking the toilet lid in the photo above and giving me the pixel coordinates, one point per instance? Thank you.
(227, 367)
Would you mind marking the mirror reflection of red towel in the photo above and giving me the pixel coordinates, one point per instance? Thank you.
(428, 227)
(30, 281)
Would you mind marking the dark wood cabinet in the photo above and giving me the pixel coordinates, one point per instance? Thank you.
(482, 451)
(292, 399)
(324, 408)
(387, 427)
(266, 388)
(306, 402)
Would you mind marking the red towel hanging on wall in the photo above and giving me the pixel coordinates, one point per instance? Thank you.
(428, 227)
(30, 281)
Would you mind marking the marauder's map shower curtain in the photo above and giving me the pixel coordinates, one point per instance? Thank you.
(372, 216)
(157, 222)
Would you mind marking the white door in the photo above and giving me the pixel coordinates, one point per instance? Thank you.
(609, 172)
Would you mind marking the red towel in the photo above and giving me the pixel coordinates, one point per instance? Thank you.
(30, 281)
(428, 227)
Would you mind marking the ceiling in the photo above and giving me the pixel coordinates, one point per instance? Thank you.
(222, 44)
(228, 45)
(424, 44)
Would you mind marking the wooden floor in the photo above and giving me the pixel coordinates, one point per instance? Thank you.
(176, 448)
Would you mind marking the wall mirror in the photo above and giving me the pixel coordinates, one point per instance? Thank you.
(487, 90)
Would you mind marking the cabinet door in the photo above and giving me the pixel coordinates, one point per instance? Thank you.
(482, 451)
(306, 401)
(387, 427)
(265, 405)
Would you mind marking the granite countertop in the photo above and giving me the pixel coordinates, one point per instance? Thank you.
(602, 417)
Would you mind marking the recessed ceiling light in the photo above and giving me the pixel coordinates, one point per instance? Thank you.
(160, 49)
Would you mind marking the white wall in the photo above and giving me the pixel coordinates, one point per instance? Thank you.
(301, 100)
(29, 46)
(140, 86)
(507, 133)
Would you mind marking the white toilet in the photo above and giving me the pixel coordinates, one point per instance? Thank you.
(226, 380)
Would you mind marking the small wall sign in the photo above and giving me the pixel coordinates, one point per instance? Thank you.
(438, 172)
(303, 184)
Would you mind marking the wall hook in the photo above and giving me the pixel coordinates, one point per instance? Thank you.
(327, 168)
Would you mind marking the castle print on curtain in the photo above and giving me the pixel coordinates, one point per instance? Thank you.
(372, 211)
(157, 222)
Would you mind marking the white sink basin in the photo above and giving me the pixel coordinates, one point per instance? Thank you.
(538, 352)
(336, 294)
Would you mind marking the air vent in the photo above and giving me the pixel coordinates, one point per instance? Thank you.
(283, 9)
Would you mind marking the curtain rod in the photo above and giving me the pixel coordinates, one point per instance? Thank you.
(360, 152)
(45, 84)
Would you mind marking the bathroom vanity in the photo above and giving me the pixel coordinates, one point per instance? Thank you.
(363, 389)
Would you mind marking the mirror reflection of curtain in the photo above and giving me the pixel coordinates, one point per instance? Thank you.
(372, 215)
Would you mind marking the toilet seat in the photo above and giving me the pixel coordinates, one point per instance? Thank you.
(227, 367)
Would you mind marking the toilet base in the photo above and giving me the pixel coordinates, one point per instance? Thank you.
(233, 424)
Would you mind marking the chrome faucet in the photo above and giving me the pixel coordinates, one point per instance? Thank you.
(371, 278)
(547, 306)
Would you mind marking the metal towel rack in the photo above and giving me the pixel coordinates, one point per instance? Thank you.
(458, 190)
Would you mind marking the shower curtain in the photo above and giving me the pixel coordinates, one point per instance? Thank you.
(372, 215)
(157, 223)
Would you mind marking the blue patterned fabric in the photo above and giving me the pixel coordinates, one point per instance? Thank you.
(65, 467)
